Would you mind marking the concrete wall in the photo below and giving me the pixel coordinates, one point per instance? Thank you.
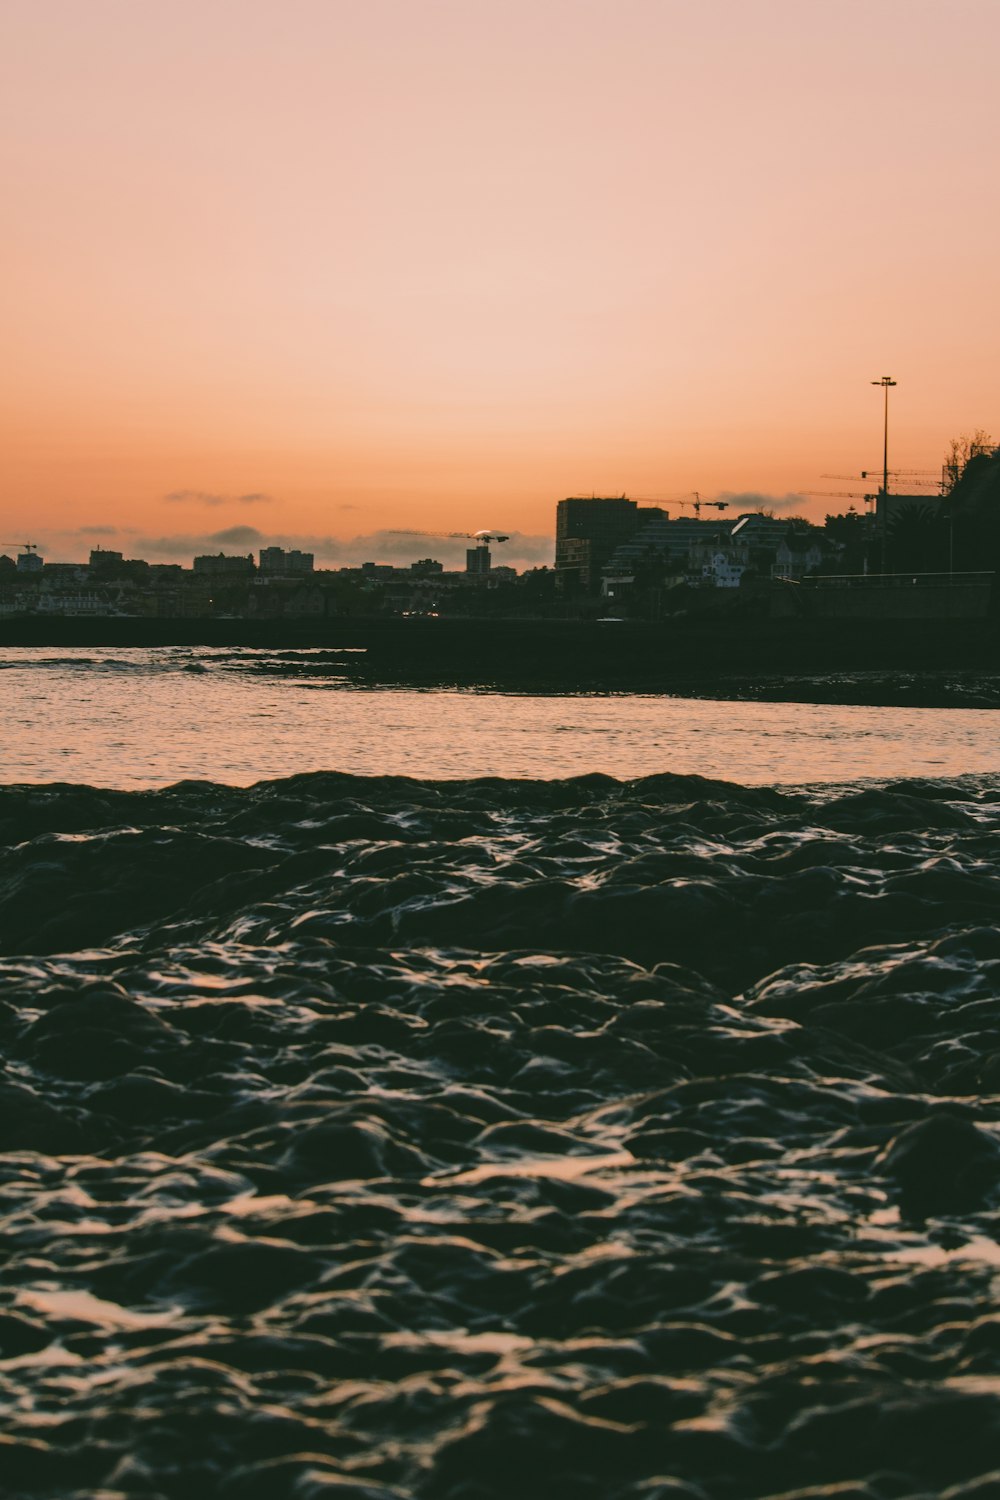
(899, 602)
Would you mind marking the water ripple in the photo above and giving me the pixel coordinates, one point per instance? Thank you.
(616, 1140)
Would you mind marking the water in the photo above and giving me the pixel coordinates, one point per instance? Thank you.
(422, 1139)
(141, 718)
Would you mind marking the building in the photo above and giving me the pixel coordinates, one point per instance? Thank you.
(278, 561)
(103, 557)
(218, 563)
(587, 533)
(754, 529)
(797, 555)
(720, 567)
(661, 542)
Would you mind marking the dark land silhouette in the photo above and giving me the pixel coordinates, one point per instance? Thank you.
(933, 663)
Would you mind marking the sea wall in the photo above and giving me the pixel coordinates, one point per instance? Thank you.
(901, 602)
(846, 660)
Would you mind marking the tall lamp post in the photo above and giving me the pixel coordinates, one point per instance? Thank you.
(885, 383)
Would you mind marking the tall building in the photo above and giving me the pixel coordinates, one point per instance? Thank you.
(220, 563)
(277, 560)
(587, 533)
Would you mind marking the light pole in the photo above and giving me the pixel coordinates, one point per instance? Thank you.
(885, 383)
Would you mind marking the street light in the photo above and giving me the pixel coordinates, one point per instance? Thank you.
(885, 383)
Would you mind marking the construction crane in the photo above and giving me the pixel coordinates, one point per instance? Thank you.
(484, 537)
(696, 504)
(29, 558)
(921, 484)
(480, 537)
(482, 540)
(910, 475)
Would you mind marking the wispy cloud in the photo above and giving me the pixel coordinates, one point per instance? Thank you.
(394, 546)
(97, 530)
(210, 498)
(239, 536)
(747, 500)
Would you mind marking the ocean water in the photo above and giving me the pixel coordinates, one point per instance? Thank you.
(594, 1137)
(144, 718)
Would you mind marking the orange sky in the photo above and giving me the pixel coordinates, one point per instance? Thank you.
(437, 263)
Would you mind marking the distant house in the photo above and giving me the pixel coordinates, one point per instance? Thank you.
(796, 556)
(722, 567)
(307, 601)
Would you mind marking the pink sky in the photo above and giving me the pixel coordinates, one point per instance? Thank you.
(437, 263)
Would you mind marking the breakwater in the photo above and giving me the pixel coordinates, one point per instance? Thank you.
(928, 663)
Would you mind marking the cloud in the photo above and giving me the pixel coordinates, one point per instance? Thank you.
(348, 507)
(523, 550)
(238, 536)
(97, 530)
(207, 497)
(748, 500)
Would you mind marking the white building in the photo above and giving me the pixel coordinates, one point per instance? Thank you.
(723, 569)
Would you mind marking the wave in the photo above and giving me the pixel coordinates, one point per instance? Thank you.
(395, 1138)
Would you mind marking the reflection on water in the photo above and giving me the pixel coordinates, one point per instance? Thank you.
(134, 718)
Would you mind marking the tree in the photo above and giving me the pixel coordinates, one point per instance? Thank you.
(961, 450)
(972, 502)
(851, 533)
(917, 540)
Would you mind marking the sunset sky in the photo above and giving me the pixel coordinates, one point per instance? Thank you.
(315, 269)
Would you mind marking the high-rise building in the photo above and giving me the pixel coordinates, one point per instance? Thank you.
(587, 533)
(277, 560)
